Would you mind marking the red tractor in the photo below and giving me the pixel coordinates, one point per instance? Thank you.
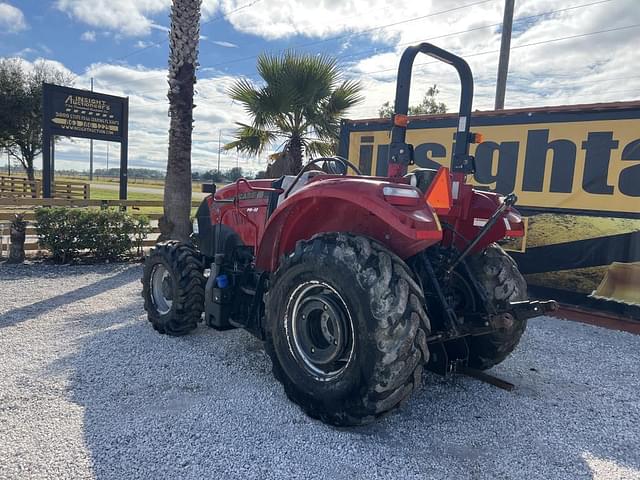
(355, 283)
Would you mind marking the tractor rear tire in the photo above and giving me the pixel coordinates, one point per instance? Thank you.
(498, 274)
(173, 287)
(346, 329)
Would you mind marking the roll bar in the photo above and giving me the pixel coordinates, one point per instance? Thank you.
(401, 153)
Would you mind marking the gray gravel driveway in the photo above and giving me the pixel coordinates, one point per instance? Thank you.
(89, 390)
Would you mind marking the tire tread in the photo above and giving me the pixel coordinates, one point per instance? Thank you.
(400, 338)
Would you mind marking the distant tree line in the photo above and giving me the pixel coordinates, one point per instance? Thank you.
(149, 173)
(230, 175)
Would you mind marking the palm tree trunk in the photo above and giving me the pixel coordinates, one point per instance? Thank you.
(184, 38)
(295, 155)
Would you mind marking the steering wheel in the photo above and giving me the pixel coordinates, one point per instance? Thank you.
(346, 163)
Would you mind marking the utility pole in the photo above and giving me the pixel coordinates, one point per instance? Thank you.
(107, 159)
(91, 148)
(505, 47)
(8, 163)
(219, 146)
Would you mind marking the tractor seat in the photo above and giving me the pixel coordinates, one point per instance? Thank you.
(422, 178)
(287, 180)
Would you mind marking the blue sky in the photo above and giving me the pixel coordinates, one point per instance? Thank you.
(579, 51)
(55, 33)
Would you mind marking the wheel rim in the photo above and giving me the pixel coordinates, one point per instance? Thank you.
(161, 289)
(320, 330)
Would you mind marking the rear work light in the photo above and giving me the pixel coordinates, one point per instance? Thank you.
(476, 137)
(401, 196)
(400, 120)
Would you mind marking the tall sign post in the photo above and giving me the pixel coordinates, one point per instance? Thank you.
(70, 112)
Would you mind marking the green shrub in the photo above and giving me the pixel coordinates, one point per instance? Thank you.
(104, 234)
(58, 232)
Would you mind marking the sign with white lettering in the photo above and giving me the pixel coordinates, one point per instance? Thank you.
(79, 113)
(69, 112)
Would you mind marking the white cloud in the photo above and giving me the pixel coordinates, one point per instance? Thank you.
(11, 19)
(572, 71)
(162, 28)
(89, 36)
(224, 44)
(24, 52)
(142, 44)
(27, 65)
(588, 69)
(45, 48)
(312, 18)
(129, 18)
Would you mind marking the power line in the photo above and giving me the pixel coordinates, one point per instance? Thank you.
(342, 57)
(315, 42)
(446, 35)
(157, 44)
(357, 34)
(219, 17)
(551, 40)
(554, 84)
(344, 25)
(515, 47)
(392, 48)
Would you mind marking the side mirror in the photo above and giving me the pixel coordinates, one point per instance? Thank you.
(209, 188)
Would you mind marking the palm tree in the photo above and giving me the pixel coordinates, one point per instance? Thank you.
(300, 103)
(184, 38)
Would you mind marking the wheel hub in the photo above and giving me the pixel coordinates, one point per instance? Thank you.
(161, 289)
(321, 336)
(322, 330)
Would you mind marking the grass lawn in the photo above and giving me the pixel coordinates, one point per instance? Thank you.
(98, 193)
(146, 183)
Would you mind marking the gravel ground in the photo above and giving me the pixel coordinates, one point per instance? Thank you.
(89, 390)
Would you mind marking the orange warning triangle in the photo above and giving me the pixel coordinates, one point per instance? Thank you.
(439, 195)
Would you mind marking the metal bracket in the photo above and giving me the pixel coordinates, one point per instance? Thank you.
(451, 357)
(485, 377)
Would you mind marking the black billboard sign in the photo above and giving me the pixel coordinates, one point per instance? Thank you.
(71, 112)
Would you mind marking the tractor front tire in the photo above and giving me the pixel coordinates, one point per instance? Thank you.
(502, 282)
(346, 329)
(173, 287)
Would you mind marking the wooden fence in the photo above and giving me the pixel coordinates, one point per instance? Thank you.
(22, 187)
(11, 205)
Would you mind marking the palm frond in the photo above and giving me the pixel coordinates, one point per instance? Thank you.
(250, 139)
(243, 91)
(317, 148)
(303, 96)
(344, 97)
